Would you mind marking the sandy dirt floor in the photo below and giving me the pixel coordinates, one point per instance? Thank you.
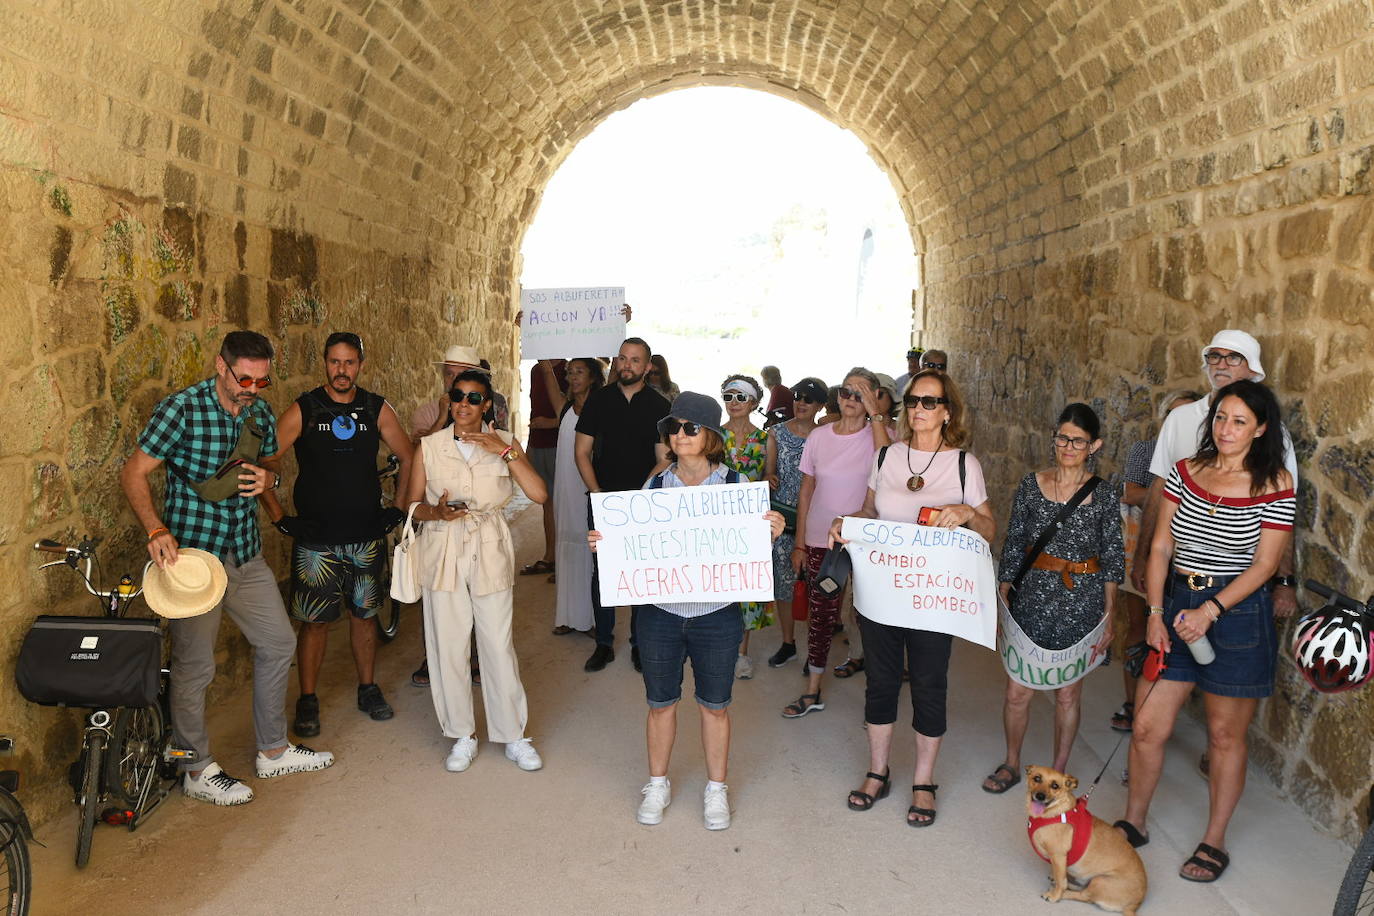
(388, 830)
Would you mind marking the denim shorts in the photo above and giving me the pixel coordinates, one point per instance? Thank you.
(711, 641)
(1244, 638)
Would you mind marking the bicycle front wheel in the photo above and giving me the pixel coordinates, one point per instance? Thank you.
(94, 753)
(389, 614)
(15, 881)
(1356, 895)
(134, 756)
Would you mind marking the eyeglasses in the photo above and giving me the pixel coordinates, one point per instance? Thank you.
(728, 396)
(850, 394)
(1214, 358)
(1073, 442)
(938, 366)
(247, 381)
(472, 397)
(686, 427)
(923, 400)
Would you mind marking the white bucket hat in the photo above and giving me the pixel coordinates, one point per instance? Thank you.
(463, 356)
(1239, 342)
(191, 586)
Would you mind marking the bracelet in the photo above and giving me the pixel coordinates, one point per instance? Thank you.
(1156, 610)
(1221, 608)
(156, 531)
(509, 455)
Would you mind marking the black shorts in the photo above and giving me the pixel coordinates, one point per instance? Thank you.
(325, 579)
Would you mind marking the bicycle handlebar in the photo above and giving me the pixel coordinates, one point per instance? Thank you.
(1335, 597)
(47, 545)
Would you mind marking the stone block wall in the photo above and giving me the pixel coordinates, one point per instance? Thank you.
(1093, 186)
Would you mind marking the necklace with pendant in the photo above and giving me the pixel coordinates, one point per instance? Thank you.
(916, 481)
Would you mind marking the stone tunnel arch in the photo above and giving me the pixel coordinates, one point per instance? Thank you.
(1094, 185)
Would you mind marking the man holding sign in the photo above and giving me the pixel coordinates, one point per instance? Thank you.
(617, 446)
(688, 558)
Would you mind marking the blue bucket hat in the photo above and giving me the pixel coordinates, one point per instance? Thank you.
(698, 408)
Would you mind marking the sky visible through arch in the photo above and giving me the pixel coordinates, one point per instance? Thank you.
(747, 230)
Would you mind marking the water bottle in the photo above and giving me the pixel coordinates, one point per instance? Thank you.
(1202, 650)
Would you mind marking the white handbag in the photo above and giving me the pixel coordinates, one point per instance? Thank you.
(405, 571)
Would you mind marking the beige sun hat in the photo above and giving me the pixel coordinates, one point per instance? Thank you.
(463, 356)
(191, 586)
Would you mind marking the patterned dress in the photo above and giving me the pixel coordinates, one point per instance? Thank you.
(1053, 616)
(789, 447)
(749, 456)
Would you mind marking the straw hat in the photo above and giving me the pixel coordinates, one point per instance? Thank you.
(191, 586)
(461, 356)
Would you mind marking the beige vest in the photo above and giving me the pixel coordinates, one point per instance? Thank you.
(486, 486)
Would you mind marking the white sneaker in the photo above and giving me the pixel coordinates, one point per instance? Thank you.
(297, 758)
(744, 668)
(460, 758)
(524, 754)
(656, 798)
(717, 808)
(217, 787)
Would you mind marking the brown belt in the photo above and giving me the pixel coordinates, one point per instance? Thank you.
(1066, 568)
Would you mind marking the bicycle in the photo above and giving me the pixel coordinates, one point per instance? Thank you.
(127, 756)
(15, 836)
(1356, 894)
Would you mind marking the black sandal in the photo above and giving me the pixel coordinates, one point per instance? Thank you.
(801, 707)
(1000, 784)
(851, 667)
(865, 800)
(927, 813)
(1214, 868)
(1133, 835)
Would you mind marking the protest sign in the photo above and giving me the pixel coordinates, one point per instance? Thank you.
(574, 321)
(705, 543)
(1045, 669)
(924, 578)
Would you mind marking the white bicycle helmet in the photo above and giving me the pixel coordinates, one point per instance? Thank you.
(1333, 648)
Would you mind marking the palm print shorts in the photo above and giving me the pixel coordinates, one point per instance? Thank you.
(325, 579)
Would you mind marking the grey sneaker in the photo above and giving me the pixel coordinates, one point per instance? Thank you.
(371, 701)
(297, 758)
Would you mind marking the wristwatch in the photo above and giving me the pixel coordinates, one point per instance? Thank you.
(1284, 582)
(276, 483)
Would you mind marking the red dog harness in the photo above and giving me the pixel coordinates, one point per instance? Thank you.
(1081, 821)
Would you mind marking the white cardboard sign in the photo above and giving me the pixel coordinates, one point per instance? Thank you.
(1045, 669)
(704, 543)
(924, 578)
(567, 322)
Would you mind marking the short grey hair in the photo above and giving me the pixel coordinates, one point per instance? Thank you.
(866, 375)
(1178, 394)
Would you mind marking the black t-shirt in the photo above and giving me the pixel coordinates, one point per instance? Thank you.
(626, 432)
(337, 487)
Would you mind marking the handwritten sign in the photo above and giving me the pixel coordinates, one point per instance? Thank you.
(707, 543)
(924, 578)
(1045, 669)
(574, 321)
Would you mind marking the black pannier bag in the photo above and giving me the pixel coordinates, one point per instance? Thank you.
(95, 662)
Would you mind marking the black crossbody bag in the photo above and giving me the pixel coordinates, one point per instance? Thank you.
(1051, 530)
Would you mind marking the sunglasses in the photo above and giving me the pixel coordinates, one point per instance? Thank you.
(728, 396)
(807, 399)
(850, 394)
(1231, 359)
(247, 381)
(472, 397)
(939, 366)
(923, 400)
(673, 426)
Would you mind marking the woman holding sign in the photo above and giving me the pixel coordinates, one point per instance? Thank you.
(926, 478)
(468, 472)
(1224, 523)
(707, 632)
(1059, 582)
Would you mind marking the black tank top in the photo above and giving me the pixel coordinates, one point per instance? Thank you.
(336, 456)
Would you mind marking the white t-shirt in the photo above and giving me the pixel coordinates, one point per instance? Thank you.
(1181, 435)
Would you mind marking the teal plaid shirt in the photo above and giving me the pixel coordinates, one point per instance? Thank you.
(191, 432)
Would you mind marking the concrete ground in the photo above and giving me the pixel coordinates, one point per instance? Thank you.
(388, 830)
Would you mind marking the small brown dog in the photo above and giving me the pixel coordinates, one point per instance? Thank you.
(1081, 846)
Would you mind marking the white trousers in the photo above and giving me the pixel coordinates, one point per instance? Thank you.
(450, 618)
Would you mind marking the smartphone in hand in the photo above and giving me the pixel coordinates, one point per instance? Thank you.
(928, 515)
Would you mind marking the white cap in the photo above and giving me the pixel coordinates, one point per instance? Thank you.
(1239, 342)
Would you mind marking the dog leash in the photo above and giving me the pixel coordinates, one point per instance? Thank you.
(1108, 762)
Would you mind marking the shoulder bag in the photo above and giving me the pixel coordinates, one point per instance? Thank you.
(405, 569)
(1044, 538)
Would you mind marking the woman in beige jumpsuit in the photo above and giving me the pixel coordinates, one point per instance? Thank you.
(466, 475)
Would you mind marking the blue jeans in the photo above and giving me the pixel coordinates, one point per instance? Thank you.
(711, 641)
(1244, 639)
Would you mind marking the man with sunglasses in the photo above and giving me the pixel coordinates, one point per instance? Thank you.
(339, 533)
(916, 360)
(194, 433)
(617, 445)
(1232, 356)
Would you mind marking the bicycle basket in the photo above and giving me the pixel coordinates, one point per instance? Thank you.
(93, 662)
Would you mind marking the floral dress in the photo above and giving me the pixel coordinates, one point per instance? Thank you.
(749, 457)
(789, 447)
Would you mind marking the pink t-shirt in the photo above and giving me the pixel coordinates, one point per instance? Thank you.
(898, 504)
(840, 465)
